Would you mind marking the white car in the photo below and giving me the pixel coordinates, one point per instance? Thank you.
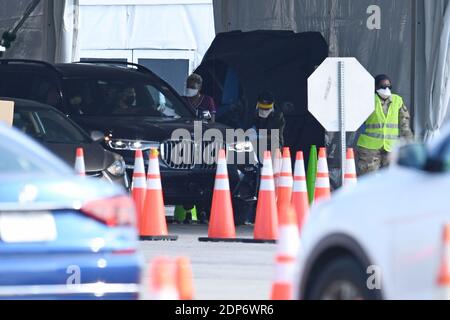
(382, 239)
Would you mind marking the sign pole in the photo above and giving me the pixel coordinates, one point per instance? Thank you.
(342, 129)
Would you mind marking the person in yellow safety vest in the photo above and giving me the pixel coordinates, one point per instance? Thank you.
(389, 123)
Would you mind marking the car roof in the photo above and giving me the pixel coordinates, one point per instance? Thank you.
(107, 70)
(82, 69)
(24, 103)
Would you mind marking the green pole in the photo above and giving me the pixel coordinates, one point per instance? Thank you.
(312, 172)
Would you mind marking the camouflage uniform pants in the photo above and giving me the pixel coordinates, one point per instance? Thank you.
(370, 160)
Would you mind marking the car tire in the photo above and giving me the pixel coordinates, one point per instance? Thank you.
(343, 278)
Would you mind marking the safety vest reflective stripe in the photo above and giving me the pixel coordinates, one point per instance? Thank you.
(381, 126)
(381, 136)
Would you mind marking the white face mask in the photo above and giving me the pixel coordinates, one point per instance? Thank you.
(384, 93)
(264, 113)
(191, 92)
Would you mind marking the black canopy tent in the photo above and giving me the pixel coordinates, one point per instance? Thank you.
(279, 61)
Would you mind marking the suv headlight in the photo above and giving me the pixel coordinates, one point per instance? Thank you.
(121, 144)
(245, 146)
(117, 168)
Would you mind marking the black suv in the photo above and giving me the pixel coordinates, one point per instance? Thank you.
(92, 94)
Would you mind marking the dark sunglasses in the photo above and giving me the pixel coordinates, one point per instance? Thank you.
(386, 87)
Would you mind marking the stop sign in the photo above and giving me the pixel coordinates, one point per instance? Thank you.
(358, 94)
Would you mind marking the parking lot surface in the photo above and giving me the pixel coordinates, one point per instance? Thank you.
(231, 271)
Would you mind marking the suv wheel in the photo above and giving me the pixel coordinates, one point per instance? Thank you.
(341, 279)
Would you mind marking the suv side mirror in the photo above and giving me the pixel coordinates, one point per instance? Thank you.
(413, 155)
(97, 136)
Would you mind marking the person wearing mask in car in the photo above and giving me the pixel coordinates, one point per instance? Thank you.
(268, 117)
(126, 101)
(389, 123)
(201, 103)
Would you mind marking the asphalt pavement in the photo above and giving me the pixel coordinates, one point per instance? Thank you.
(229, 271)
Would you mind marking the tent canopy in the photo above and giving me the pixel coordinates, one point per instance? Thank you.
(279, 61)
(407, 39)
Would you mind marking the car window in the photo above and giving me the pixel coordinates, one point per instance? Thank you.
(30, 86)
(21, 156)
(48, 126)
(93, 97)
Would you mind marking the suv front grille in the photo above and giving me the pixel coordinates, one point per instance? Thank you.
(210, 153)
(178, 154)
(181, 154)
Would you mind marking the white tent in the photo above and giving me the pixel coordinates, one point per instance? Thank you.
(177, 25)
(169, 36)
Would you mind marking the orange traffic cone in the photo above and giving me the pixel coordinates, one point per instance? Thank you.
(221, 223)
(184, 279)
(287, 250)
(154, 225)
(299, 192)
(162, 280)
(138, 186)
(79, 162)
(277, 162)
(443, 280)
(350, 178)
(285, 181)
(322, 190)
(266, 222)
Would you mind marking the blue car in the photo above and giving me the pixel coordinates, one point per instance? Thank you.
(62, 236)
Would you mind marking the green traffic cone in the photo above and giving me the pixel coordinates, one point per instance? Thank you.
(311, 174)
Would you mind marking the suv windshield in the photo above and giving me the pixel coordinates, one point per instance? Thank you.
(47, 126)
(97, 97)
